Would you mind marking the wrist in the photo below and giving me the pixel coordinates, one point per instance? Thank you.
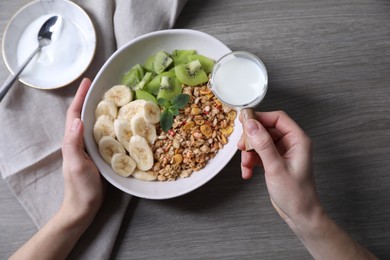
(310, 224)
(73, 220)
(324, 239)
(54, 240)
(79, 210)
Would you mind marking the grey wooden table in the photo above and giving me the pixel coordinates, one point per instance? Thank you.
(329, 69)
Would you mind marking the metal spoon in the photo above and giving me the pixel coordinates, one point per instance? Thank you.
(44, 39)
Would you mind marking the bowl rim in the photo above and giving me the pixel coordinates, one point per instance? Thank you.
(25, 7)
(156, 196)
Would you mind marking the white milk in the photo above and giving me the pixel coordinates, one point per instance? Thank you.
(239, 81)
(64, 58)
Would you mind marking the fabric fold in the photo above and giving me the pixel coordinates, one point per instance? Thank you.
(146, 16)
(33, 124)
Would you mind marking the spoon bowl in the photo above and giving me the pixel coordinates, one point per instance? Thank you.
(44, 39)
(47, 30)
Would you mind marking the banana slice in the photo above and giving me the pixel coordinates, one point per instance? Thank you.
(106, 107)
(141, 152)
(108, 146)
(119, 94)
(104, 126)
(123, 164)
(144, 175)
(132, 108)
(139, 126)
(152, 112)
(123, 132)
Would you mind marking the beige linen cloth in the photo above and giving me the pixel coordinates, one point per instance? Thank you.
(33, 124)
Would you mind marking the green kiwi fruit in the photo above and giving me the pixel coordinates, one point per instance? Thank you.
(207, 63)
(181, 56)
(131, 80)
(133, 76)
(138, 70)
(161, 62)
(190, 68)
(170, 87)
(145, 80)
(191, 74)
(141, 94)
(154, 85)
(149, 64)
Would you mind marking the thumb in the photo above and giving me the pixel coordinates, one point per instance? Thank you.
(263, 144)
(73, 139)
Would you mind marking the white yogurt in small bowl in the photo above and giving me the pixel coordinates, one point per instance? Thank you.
(239, 79)
(65, 59)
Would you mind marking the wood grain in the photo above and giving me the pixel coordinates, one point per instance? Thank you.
(329, 69)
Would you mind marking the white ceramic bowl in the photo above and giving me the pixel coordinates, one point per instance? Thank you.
(137, 51)
(63, 73)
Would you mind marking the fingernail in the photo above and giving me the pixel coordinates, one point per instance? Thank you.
(75, 124)
(251, 127)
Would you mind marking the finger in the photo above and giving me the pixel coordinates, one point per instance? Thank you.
(279, 140)
(278, 120)
(246, 173)
(275, 134)
(73, 140)
(241, 143)
(248, 161)
(74, 109)
(263, 144)
(290, 134)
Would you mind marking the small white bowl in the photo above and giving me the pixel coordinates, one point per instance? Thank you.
(63, 72)
(137, 51)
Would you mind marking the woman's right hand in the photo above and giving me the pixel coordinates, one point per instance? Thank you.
(285, 152)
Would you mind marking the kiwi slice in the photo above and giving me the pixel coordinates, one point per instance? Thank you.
(131, 80)
(207, 63)
(154, 85)
(144, 81)
(133, 76)
(191, 74)
(162, 60)
(149, 64)
(170, 87)
(138, 70)
(141, 94)
(181, 56)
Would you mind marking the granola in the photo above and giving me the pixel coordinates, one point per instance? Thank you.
(199, 131)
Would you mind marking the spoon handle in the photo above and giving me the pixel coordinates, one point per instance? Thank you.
(11, 79)
(247, 113)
